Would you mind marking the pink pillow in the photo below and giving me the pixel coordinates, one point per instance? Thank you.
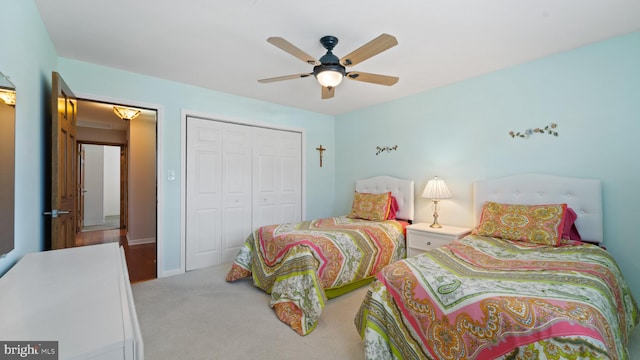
(393, 209)
(570, 231)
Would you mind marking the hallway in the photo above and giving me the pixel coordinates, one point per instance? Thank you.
(110, 222)
(141, 258)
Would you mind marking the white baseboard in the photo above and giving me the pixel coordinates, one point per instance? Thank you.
(132, 242)
(168, 273)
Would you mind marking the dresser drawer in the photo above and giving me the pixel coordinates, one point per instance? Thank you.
(421, 237)
(424, 241)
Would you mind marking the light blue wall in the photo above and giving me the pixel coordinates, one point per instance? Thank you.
(27, 57)
(460, 132)
(173, 97)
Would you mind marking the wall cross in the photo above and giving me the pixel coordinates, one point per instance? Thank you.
(321, 150)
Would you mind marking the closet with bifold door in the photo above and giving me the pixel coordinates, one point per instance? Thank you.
(238, 177)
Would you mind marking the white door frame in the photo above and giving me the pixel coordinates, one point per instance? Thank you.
(183, 167)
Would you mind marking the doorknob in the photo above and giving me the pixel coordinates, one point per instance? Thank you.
(54, 213)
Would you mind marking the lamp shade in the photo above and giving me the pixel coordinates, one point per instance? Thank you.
(436, 189)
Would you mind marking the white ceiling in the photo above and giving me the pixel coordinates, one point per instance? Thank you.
(221, 45)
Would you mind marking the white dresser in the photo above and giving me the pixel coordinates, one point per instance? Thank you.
(80, 297)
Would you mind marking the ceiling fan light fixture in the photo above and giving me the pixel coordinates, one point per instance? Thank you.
(329, 70)
(126, 113)
(329, 75)
(329, 78)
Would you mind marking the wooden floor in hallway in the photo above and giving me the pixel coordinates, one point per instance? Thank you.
(141, 258)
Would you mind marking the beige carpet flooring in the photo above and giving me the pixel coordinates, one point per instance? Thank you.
(197, 315)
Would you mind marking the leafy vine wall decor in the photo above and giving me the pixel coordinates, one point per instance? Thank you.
(386, 148)
(549, 129)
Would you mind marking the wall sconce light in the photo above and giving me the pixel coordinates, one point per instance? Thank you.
(436, 190)
(126, 113)
(8, 97)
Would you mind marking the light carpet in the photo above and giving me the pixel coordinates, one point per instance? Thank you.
(198, 315)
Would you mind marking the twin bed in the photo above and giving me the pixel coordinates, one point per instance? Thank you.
(303, 264)
(498, 293)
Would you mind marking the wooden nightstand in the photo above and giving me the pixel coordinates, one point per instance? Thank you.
(421, 237)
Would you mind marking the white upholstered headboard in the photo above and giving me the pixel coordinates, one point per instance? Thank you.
(584, 196)
(402, 189)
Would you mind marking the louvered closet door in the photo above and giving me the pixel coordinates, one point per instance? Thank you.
(218, 191)
(277, 174)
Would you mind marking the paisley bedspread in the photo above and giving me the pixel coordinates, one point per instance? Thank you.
(299, 263)
(487, 298)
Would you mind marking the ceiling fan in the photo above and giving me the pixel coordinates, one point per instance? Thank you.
(330, 70)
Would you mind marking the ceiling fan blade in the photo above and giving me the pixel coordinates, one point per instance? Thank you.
(286, 77)
(293, 50)
(373, 47)
(327, 93)
(372, 78)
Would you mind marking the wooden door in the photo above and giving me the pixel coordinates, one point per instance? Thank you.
(81, 189)
(63, 164)
(124, 188)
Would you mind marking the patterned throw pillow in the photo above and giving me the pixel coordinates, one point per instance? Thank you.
(537, 224)
(370, 206)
